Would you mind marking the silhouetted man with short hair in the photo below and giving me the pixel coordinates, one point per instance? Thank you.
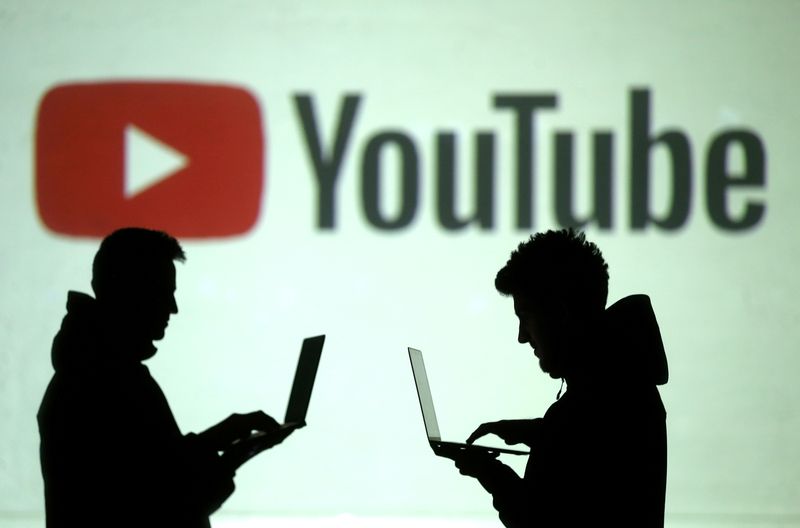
(111, 451)
(598, 456)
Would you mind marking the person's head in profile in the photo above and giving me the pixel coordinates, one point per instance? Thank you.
(133, 278)
(559, 284)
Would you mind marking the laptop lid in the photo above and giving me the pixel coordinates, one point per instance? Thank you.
(304, 379)
(424, 395)
(429, 414)
(299, 398)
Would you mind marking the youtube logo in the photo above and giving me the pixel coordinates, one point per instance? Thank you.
(186, 158)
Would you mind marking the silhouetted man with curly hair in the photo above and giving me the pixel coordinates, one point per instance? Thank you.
(599, 454)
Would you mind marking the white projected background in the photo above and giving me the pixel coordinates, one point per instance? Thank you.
(726, 300)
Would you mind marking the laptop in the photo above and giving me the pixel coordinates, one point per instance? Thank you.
(304, 378)
(429, 414)
(299, 397)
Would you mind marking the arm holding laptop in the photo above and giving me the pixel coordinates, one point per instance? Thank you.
(509, 492)
(237, 427)
(240, 436)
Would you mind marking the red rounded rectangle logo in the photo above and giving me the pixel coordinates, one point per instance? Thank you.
(186, 158)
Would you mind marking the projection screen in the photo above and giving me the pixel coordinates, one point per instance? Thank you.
(363, 169)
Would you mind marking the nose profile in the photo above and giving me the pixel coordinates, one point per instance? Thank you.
(522, 335)
(173, 307)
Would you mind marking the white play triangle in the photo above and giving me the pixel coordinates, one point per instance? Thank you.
(148, 161)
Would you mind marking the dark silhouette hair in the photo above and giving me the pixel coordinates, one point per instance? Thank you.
(557, 265)
(127, 255)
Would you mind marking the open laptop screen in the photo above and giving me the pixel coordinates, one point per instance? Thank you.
(424, 393)
(304, 379)
(429, 415)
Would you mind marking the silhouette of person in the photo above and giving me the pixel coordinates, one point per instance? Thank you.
(111, 451)
(598, 457)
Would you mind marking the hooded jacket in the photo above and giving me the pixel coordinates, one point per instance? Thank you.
(111, 451)
(599, 455)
